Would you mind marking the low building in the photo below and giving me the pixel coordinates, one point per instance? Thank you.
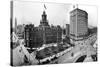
(20, 31)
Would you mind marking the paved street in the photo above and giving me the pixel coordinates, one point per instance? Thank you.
(18, 56)
(79, 50)
(19, 53)
(69, 56)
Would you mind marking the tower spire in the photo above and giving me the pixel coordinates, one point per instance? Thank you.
(44, 21)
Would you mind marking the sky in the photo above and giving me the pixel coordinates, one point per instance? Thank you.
(57, 14)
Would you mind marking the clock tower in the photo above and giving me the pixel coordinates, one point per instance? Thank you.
(44, 21)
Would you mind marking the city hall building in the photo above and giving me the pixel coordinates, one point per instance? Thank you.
(43, 34)
(78, 24)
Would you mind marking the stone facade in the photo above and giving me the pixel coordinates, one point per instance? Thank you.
(43, 34)
(78, 23)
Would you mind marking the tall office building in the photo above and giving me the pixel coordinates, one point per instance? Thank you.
(67, 30)
(78, 24)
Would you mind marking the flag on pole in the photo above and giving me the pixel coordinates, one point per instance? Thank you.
(45, 6)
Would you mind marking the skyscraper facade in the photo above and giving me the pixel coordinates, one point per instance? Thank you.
(67, 30)
(78, 24)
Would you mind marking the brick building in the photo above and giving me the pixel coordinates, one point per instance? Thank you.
(43, 34)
